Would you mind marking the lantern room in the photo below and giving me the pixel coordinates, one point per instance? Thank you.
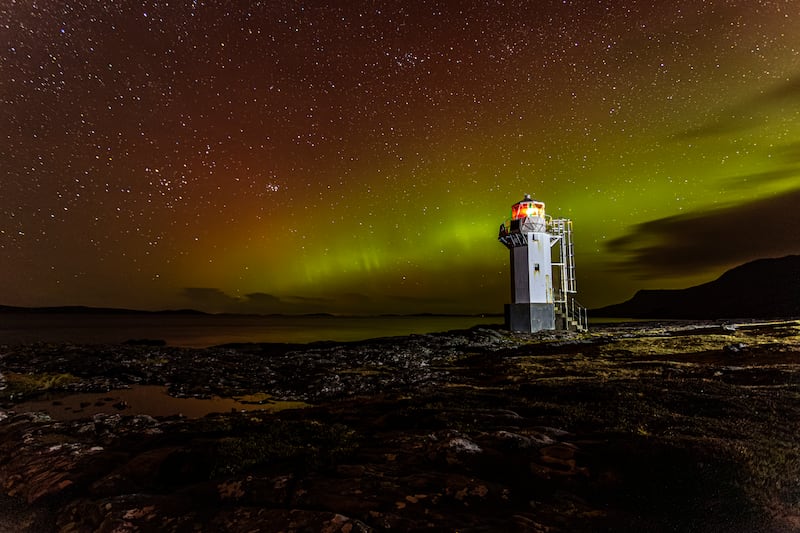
(527, 208)
(527, 216)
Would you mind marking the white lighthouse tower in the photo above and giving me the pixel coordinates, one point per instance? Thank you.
(542, 271)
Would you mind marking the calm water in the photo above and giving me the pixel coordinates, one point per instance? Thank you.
(151, 400)
(202, 331)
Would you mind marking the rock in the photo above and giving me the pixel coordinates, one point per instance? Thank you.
(139, 473)
(516, 441)
(735, 348)
(463, 445)
(280, 520)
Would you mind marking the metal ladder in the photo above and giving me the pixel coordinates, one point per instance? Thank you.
(573, 313)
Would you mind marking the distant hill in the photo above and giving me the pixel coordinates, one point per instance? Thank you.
(765, 288)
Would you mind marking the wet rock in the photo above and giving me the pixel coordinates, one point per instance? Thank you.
(558, 460)
(516, 441)
(463, 445)
(281, 520)
(137, 474)
(735, 348)
(259, 491)
(104, 421)
(135, 512)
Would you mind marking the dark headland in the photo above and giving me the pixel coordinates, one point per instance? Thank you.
(758, 289)
(659, 427)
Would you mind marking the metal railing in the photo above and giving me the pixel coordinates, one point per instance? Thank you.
(573, 313)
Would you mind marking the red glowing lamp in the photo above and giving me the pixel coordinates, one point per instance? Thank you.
(527, 208)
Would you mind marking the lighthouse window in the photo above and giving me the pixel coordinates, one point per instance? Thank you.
(536, 267)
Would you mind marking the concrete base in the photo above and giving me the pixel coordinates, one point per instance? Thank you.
(528, 318)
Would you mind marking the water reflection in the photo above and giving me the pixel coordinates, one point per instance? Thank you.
(148, 400)
(209, 330)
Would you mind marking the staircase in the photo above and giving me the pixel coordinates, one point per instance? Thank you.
(572, 316)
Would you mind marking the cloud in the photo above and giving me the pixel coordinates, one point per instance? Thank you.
(747, 113)
(697, 242)
(309, 300)
(355, 297)
(790, 153)
(261, 298)
(424, 302)
(218, 301)
(787, 155)
(788, 90)
(209, 298)
(760, 179)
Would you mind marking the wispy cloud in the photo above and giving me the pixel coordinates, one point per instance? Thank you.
(217, 300)
(760, 179)
(697, 242)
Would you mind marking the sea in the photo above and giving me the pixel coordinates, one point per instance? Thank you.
(202, 331)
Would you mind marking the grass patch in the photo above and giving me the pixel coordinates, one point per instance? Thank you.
(18, 386)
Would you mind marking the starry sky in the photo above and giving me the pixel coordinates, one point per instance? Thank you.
(359, 157)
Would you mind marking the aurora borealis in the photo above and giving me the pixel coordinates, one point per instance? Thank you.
(359, 157)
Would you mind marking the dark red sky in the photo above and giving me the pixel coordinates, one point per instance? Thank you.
(295, 157)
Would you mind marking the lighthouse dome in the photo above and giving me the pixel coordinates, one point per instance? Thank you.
(528, 216)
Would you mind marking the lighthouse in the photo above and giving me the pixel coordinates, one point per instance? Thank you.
(542, 263)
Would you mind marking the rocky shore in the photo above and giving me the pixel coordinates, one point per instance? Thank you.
(634, 427)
